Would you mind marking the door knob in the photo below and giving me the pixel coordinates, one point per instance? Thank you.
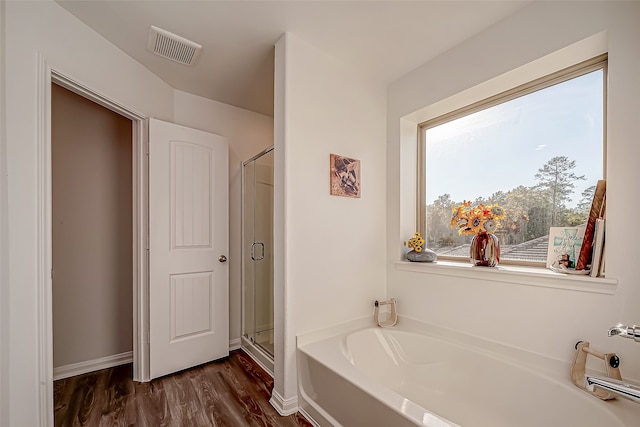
(222, 258)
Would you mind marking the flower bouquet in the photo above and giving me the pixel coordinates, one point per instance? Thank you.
(476, 219)
(481, 221)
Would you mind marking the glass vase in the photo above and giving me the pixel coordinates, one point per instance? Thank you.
(485, 250)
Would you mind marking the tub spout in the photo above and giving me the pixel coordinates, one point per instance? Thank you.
(631, 332)
(616, 330)
(613, 386)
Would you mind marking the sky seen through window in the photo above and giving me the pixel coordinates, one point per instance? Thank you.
(502, 147)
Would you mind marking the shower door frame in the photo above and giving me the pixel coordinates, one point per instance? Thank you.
(262, 357)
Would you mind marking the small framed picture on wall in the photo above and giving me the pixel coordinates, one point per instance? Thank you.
(344, 176)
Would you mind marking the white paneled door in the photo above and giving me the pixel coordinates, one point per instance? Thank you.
(188, 244)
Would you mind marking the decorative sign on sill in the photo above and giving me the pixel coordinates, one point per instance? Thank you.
(580, 250)
(564, 247)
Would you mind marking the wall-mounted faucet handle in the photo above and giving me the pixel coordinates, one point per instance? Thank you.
(631, 332)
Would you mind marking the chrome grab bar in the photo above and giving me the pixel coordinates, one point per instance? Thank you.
(613, 386)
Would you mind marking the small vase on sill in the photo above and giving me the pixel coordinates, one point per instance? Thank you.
(426, 255)
(484, 250)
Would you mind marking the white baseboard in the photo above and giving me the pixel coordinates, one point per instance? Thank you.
(285, 407)
(80, 368)
(235, 344)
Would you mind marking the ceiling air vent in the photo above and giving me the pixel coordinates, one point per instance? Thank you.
(173, 47)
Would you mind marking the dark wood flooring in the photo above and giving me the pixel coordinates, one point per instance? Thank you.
(233, 391)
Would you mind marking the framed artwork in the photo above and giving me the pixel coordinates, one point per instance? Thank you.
(344, 176)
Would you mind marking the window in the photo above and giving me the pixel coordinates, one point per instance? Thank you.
(536, 150)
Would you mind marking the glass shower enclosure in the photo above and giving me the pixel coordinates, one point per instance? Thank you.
(257, 257)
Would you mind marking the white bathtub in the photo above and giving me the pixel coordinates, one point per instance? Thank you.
(414, 375)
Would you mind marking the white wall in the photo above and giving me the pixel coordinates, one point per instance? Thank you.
(542, 320)
(92, 229)
(44, 28)
(329, 267)
(4, 238)
(248, 133)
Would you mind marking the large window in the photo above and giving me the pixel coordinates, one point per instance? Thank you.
(536, 150)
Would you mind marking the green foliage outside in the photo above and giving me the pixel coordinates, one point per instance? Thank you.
(530, 211)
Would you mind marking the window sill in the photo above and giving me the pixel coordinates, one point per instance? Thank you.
(528, 276)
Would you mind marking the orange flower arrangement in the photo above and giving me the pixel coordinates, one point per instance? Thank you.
(476, 219)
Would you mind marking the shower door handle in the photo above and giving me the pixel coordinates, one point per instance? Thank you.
(253, 251)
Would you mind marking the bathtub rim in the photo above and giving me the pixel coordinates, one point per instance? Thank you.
(343, 368)
(555, 370)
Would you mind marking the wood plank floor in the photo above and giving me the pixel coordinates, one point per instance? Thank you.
(233, 391)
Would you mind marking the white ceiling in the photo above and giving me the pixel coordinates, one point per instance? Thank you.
(385, 39)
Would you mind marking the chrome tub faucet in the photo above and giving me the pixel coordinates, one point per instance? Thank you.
(631, 332)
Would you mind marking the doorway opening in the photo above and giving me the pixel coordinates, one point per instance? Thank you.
(139, 228)
(140, 352)
(92, 235)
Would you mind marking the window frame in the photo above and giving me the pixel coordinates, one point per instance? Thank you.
(599, 62)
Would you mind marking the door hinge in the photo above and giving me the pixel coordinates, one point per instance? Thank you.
(51, 273)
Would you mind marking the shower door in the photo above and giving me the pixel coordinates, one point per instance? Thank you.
(258, 251)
